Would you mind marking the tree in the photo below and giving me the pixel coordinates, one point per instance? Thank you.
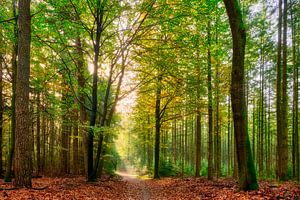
(210, 107)
(247, 175)
(23, 157)
(281, 94)
(295, 151)
(157, 125)
(1, 107)
(8, 173)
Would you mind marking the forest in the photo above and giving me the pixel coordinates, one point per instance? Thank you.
(149, 99)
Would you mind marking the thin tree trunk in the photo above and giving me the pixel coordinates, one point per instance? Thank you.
(8, 174)
(198, 143)
(64, 137)
(38, 133)
(228, 137)
(157, 127)
(44, 140)
(210, 107)
(75, 142)
(295, 156)
(278, 93)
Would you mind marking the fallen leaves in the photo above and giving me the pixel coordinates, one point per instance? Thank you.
(164, 189)
(201, 188)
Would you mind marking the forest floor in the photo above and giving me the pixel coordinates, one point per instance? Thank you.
(129, 186)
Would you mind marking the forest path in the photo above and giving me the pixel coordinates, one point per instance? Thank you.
(135, 183)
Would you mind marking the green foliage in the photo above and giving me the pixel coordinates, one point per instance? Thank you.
(112, 160)
(204, 168)
(168, 169)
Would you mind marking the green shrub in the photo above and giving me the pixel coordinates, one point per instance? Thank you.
(204, 167)
(167, 169)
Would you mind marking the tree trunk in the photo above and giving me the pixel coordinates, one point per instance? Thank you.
(198, 125)
(198, 143)
(157, 127)
(295, 156)
(44, 140)
(278, 91)
(75, 142)
(64, 136)
(210, 107)
(7, 177)
(1, 110)
(92, 172)
(228, 137)
(247, 175)
(38, 132)
(51, 145)
(149, 145)
(23, 154)
(282, 134)
(82, 110)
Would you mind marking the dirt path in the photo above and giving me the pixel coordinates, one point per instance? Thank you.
(137, 184)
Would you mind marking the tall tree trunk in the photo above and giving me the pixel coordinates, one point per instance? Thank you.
(82, 110)
(51, 146)
(64, 147)
(23, 154)
(157, 127)
(228, 137)
(44, 140)
(149, 145)
(283, 133)
(7, 177)
(262, 111)
(217, 128)
(210, 107)
(295, 137)
(38, 132)
(247, 175)
(278, 91)
(1, 110)
(198, 143)
(75, 142)
(92, 172)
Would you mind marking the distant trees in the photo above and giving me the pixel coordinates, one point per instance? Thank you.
(174, 59)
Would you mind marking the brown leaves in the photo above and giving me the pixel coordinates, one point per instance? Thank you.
(201, 188)
(71, 189)
(169, 188)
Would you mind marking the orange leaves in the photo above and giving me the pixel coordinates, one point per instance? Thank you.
(169, 188)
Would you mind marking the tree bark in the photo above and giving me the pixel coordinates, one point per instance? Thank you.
(38, 132)
(157, 127)
(198, 124)
(7, 177)
(210, 107)
(82, 110)
(23, 154)
(247, 175)
(1, 110)
(92, 172)
(295, 152)
(278, 91)
(283, 137)
(198, 143)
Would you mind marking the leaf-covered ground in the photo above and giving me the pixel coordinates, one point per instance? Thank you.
(133, 188)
